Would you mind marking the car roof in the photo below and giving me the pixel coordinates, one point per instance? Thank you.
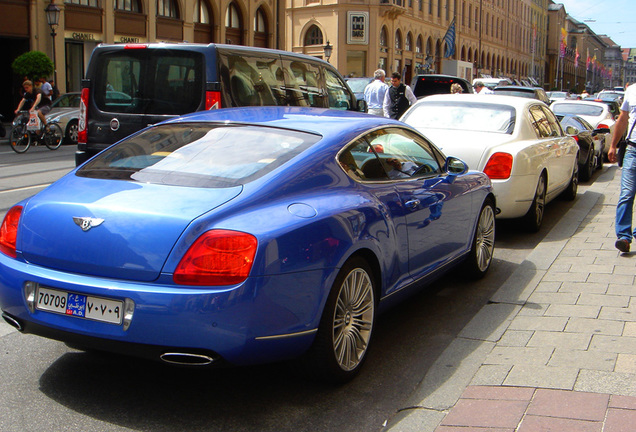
(304, 119)
(514, 101)
(578, 102)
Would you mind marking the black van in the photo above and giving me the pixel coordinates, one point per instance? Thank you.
(130, 86)
(430, 84)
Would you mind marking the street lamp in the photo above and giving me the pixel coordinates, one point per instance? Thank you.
(52, 19)
(328, 50)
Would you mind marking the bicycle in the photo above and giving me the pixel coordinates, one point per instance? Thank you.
(23, 133)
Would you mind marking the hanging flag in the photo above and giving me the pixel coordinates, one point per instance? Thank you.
(587, 62)
(576, 58)
(564, 36)
(449, 38)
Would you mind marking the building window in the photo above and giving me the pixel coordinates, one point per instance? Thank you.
(314, 36)
(93, 3)
(398, 40)
(419, 45)
(233, 17)
(384, 37)
(128, 5)
(408, 45)
(202, 12)
(260, 24)
(167, 8)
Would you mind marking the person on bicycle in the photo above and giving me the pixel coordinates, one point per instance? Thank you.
(34, 98)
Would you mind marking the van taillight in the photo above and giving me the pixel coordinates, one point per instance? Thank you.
(135, 46)
(212, 100)
(82, 125)
(9, 231)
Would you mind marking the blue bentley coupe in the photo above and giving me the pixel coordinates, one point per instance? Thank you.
(243, 236)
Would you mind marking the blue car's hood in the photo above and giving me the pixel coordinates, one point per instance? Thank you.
(141, 223)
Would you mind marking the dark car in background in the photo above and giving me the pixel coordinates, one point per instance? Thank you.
(357, 85)
(591, 143)
(521, 91)
(430, 84)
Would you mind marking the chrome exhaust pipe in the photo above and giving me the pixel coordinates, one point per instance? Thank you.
(12, 321)
(186, 359)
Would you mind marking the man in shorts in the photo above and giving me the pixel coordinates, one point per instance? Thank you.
(34, 99)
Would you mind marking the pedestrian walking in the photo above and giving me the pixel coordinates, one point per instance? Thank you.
(398, 98)
(624, 208)
(374, 93)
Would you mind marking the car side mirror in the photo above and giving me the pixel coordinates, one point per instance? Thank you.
(455, 166)
(571, 130)
(362, 105)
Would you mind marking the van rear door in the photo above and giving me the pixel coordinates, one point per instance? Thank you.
(136, 87)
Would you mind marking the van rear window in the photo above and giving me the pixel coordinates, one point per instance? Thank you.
(168, 82)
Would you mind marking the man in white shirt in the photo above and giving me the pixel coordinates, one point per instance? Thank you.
(46, 88)
(480, 88)
(374, 93)
(398, 98)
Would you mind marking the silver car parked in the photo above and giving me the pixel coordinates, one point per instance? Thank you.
(65, 112)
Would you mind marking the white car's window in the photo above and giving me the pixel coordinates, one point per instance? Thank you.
(462, 115)
(539, 122)
(577, 109)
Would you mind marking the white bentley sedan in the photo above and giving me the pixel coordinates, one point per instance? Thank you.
(517, 142)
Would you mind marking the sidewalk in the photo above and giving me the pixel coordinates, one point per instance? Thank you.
(555, 348)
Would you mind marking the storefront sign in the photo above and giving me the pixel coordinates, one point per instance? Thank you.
(129, 39)
(84, 37)
(357, 28)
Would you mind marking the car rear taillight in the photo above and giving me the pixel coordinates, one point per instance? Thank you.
(218, 257)
(576, 138)
(499, 166)
(82, 123)
(135, 46)
(602, 126)
(9, 231)
(212, 100)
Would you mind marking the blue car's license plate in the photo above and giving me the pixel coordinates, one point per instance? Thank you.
(78, 305)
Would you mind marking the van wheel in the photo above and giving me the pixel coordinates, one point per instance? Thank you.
(346, 326)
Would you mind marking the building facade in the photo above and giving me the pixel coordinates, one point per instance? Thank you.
(83, 24)
(517, 39)
(499, 37)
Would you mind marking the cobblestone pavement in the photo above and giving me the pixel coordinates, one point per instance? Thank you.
(555, 348)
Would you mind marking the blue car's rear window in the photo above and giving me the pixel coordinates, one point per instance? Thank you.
(200, 155)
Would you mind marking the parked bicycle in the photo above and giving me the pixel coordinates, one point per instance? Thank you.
(24, 133)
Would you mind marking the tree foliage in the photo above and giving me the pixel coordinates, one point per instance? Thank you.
(33, 64)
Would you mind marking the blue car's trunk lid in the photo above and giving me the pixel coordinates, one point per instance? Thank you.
(107, 228)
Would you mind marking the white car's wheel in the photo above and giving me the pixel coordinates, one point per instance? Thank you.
(534, 218)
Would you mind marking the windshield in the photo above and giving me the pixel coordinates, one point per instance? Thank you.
(470, 116)
(577, 109)
(201, 154)
(357, 85)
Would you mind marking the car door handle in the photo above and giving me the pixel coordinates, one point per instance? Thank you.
(412, 204)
